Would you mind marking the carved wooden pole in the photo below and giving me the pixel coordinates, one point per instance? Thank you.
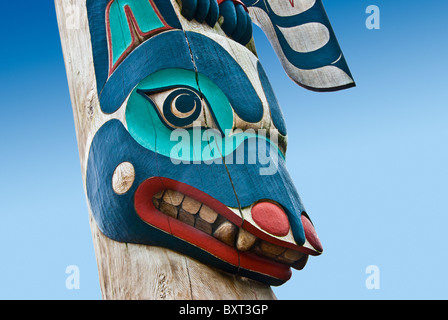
(161, 91)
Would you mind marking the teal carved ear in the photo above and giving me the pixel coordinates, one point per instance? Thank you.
(302, 36)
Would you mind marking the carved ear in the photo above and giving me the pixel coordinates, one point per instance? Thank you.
(302, 36)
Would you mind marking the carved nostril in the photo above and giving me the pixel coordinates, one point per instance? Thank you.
(271, 218)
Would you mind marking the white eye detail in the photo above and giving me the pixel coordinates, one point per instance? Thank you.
(123, 178)
(180, 107)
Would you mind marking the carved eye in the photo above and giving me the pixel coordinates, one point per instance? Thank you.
(180, 107)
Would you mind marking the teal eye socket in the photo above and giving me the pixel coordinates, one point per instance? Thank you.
(178, 101)
(169, 100)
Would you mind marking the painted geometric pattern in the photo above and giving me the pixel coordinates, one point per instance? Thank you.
(303, 38)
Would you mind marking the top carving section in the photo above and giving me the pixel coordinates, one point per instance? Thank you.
(299, 31)
(237, 23)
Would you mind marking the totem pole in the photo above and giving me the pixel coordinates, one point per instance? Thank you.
(182, 141)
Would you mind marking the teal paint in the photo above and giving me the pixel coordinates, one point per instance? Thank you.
(146, 20)
(148, 127)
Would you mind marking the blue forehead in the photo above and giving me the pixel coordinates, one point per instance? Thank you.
(168, 49)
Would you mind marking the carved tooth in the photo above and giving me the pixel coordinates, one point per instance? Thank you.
(186, 217)
(226, 232)
(292, 255)
(159, 195)
(203, 225)
(271, 249)
(173, 197)
(156, 202)
(168, 209)
(245, 241)
(299, 265)
(190, 205)
(208, 214)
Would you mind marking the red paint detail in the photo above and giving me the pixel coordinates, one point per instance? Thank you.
(151, 215)
(311, 234)
(131, 21)
(271, 218)
(292, 3)
(151, 186)
(264, 236)
(255, 263)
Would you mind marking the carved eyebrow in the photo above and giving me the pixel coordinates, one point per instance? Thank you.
(219, 67)
(222, 69)
(158, 53)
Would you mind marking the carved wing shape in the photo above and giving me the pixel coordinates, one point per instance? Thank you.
(302, 36)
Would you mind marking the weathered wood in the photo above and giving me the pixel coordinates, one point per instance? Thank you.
(138, 272)
(131, 271)
(144, 74)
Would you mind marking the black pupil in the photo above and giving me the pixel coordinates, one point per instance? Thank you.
(186, 101)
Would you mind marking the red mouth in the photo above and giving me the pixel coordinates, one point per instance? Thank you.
(197, 218)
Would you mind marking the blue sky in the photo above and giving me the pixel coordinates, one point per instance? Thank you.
(370, 163)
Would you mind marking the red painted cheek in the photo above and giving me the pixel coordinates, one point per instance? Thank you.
(311, 234)
(271, 218)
